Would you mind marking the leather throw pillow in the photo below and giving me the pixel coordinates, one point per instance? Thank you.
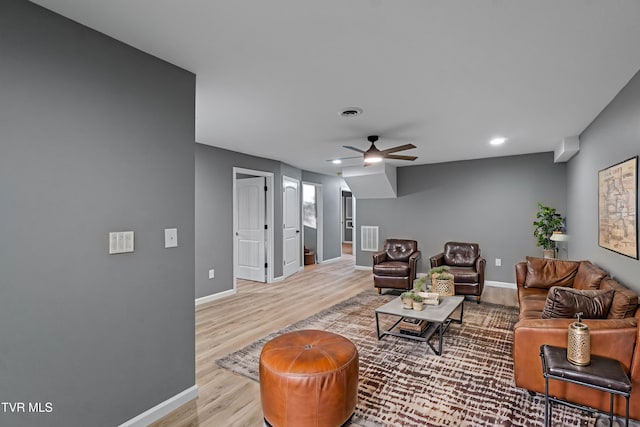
(545, 273)
(567, 302)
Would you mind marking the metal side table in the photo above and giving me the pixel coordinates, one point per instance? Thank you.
(602, 374)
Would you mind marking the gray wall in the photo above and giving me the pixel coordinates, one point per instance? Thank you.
(95, 136)
(331, 205)
(490, 201)
(214, 213)
(612, 137)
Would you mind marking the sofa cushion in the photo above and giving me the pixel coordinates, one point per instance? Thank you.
(464, 274)
(625, 301)
(533, 304)
(567, 302)
(399, 249)
(461, 254)
(545, 273)
(391, 268)
(588, 276)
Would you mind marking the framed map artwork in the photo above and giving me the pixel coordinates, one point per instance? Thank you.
(617, 208)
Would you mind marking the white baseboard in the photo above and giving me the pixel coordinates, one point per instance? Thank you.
(330, 260)
(500, 284)
(162, 409)
(214, 297)
(364, 267)
(277, 279)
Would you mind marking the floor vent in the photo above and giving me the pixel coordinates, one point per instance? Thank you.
(369, 238)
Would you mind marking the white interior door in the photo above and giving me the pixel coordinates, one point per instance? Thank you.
(250, 234)
(291, 225)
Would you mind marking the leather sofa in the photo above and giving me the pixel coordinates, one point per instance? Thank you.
(396, 265)
(466, 265)
(617, 336)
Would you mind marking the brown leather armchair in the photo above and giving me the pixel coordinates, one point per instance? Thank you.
(466, 265)
(395, 266)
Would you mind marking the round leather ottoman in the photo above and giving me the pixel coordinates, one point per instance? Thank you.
(308, 378)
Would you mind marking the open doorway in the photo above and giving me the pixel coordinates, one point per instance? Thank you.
(252, 225)
(312, 223)
(347, 221)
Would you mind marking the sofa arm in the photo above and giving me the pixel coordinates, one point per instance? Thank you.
(437, 260)
(379, 257)
(521, 274)
(413, 263)
(480, 266)
(613, 338)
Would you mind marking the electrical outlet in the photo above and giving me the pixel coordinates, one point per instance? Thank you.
(170, 237)
(498, 262)
(212, 273)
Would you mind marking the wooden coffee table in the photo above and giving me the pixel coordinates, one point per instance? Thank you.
(438, 316)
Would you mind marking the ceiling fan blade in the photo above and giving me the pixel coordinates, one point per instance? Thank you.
(353, 148)
(344, 158)
(398, 148)
(396, 157)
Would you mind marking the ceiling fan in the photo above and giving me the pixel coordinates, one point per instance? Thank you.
(374, 155)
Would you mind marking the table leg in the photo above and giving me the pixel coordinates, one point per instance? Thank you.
(547, 415)
(627, 411)
(611, 409)
(378, 327)
(440, 335)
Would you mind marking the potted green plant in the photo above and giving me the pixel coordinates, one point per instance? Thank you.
(439, 270)
(407, 299)
(442, 281)
(547, 221)
(417, 302)
(418, 284)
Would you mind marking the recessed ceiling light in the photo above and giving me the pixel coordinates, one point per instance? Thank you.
(498, 141)
(336, 161)
(351, 112)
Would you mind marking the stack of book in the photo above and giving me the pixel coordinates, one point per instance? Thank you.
(430, 298)
(411, 326)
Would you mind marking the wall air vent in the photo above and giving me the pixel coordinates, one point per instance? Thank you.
(369, 238)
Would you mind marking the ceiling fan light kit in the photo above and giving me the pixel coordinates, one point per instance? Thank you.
(372, 158)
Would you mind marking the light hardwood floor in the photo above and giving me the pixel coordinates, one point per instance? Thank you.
(256, 310)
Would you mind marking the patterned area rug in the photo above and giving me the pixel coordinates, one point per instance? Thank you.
(402, 383)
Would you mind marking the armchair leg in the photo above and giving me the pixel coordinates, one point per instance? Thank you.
(379, 291)
(478, 299)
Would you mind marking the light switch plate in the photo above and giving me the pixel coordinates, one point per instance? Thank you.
(170, 237)
(121, 242)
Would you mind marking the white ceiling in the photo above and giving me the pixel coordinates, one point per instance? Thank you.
(446, 75)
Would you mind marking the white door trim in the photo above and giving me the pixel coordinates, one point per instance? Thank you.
(269, 219)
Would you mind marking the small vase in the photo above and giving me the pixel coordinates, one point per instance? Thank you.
(407, 303)
(418, 306)
(444, 287)
(549, 253)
